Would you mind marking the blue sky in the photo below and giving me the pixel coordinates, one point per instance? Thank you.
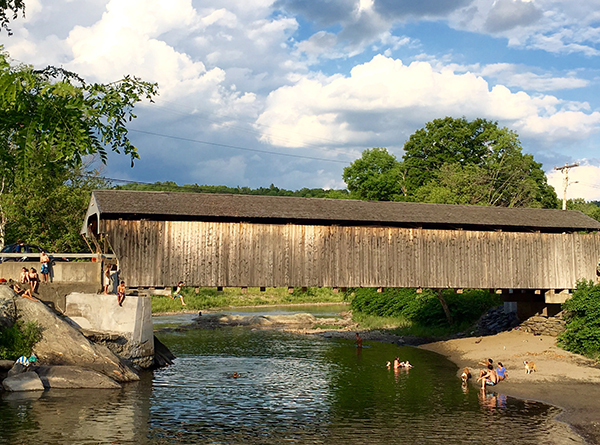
(289, 92)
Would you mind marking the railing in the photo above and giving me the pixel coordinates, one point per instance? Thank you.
(54, 256)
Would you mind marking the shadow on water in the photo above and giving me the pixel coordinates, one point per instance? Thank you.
(291, 389)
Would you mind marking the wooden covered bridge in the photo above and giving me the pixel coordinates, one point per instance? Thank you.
(217, 240)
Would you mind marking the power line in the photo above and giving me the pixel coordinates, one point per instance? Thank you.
(198, 141)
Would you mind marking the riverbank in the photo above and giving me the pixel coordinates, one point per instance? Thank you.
(563, 379)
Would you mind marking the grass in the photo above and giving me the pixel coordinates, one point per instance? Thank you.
(404, 327)
(210, 298)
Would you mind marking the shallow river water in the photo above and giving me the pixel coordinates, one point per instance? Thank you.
(292, 389)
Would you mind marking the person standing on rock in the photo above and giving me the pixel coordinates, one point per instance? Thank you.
(44, 266)
(106, 278)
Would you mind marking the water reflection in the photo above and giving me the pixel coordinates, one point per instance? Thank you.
(291, 389)
(77, 416)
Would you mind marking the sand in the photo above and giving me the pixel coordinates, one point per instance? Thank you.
(563, 379)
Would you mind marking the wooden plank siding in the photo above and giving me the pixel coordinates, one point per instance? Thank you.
(160, 253)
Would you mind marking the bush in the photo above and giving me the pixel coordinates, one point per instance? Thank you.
(582, 312)
(19, 340)
(424, 309)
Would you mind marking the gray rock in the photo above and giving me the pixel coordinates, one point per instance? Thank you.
(62, 344)
(26, 381)
(8, 311)
(74, 377)
(5, 365)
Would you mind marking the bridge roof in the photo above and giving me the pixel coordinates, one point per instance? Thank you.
(115, 204)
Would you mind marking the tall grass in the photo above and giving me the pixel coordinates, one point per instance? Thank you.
(210, 298)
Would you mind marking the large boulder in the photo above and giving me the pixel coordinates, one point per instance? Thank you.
(8, 311)
(63, 344)
(70, 377)
(25, 381)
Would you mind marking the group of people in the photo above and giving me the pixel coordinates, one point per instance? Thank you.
(111, 273)
(398, 364)
(490, 376)
(31, 278)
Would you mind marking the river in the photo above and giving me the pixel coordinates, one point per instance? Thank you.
(291, 389)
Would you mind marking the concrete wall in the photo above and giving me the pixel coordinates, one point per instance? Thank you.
(60, 272)
(132, 321)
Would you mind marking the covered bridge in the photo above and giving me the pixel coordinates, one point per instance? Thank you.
(160, 238)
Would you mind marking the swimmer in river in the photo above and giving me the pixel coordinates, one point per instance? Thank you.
(358, 341)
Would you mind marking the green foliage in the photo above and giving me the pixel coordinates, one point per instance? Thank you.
(18, 340)
(375, 176)
(424, 309)
(454, 161)
(591, 209)
(582, 334)
(51, 122)
(6, 8)
(210, 298)
(270, 191)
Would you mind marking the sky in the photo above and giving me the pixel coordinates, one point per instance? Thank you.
(289, 92)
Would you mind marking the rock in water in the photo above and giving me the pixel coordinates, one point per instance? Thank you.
(62, 344)
(74, 377)
(25, 381)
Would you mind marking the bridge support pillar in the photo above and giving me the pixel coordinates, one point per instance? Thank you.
(529, 303)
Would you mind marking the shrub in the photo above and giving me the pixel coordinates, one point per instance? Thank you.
(424, 309)
(582, 312)
(19, 340)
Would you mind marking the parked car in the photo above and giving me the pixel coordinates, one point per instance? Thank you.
(24, 249)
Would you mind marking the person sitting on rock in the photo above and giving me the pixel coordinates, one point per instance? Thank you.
(25, 293)
(24, 276)
(34, 280)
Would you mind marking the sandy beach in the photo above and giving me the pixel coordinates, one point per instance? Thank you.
(563, 379)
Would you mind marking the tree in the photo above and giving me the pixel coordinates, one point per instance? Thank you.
(455, 161)
(591, 209)
(6, 8)
(51, 120)
(375, 176)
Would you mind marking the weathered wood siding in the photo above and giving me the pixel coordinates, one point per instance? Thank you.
(160, 253)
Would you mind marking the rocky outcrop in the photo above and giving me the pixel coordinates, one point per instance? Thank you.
(70, 377)
(542, 325)
(8, 310)
(25, 381)
(62, 344)
(162, 355)
(494, 321)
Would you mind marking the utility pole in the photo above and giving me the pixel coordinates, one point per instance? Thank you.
(565, 169)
